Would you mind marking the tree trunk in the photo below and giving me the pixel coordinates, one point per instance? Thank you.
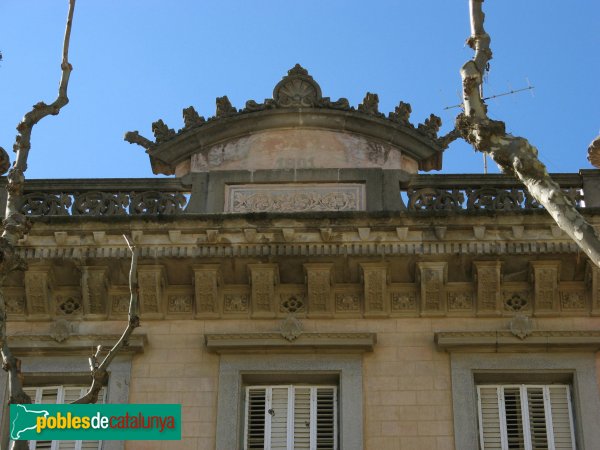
(514, 155)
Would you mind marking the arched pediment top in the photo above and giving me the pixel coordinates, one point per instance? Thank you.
(297, 103)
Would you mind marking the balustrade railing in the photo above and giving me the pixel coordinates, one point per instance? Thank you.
(472, 192)
(104, 197)
(169, 196)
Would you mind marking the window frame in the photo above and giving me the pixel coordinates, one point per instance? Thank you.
(525, 412)
(579, 367)
(60, 397)
(290, 412)
(45, 370)
(236, 370)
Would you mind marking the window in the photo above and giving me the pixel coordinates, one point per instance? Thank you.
(527, 417)
(50, 395)
(291, 418)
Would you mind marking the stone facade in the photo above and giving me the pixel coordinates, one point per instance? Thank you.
(256, 264)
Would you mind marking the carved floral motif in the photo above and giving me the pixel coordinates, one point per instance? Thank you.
(404, 301)
(120, 303)
(236, 303)
(15, 304)
(289, 198)
(572, 300)
(179, 303)
(68, 305)
(291, 303)
(516, 302)
(460, 301)
(346, 302)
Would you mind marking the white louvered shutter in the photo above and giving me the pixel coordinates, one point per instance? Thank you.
(302, 418)
(278, 413)
(255, 418)
(489, 418)
(562, 417)
(51, 395)
(526, 417)
(291, 418)
(326, 418)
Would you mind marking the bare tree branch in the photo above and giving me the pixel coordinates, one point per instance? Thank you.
(99, 371)
(514, 155)
(15, 224)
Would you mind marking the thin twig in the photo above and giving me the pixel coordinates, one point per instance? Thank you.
(99, 372)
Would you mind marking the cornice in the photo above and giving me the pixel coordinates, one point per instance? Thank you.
(252, 342)
(35, 344)
(506, 341)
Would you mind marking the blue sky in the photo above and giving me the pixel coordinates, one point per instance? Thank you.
(137, 61)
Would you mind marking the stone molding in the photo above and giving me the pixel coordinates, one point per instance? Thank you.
(35, 344)
(252, 342)
(506, 341)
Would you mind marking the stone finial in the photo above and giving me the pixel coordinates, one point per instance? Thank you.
(401, 114)
(431, 126)
(297, 89)
(224, 107)
(4, 161)
(594, 153)
(370, 105)
(191, 118)
(134, 137)
(161, 131)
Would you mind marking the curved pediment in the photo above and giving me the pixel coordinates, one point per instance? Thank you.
(297, 128)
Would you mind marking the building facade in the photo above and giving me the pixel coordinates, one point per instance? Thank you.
(303, 286)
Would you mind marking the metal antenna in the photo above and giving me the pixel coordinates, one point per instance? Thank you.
(512, 91)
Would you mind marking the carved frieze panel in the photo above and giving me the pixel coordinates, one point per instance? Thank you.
(15, 302)
(180, 302)
(119, 301)
(94, 291)
(375, 289)
(206, 281)
(319, 289)
(236, 301)
(460, 299)
(347, 300)
(432, 277)
(488, 277)
(263, 280)
(38, 281)
(573, 298)
(404, 299)
(152, 281)
(295, 197)
(545, 283)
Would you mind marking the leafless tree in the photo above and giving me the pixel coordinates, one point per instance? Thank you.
(16, 225)
(513, 154)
